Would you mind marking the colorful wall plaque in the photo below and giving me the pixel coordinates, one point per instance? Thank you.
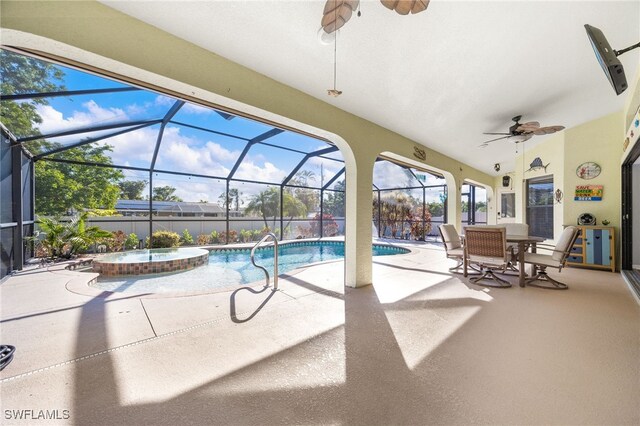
(588, 193)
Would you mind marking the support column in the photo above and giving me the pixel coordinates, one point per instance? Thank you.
(16, 180)
(454, 204)
(358, 235)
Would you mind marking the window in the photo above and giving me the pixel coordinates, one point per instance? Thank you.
(540, 207)
(474, 204)
(508, 204)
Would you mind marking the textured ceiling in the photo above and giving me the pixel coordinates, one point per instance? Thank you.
(441, 77)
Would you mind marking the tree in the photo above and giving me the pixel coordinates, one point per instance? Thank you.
(394, 211)
(309, 197)
(132, 189)
(335, 201)
(60, 187)
(234, 198)
(267, 205)
(22, 75)
(165, 193)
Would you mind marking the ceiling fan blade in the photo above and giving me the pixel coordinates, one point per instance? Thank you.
(496, 139)
(403, 7)
(548, 130)
(419, 6)
(528, 127)
(336, 13)
(508, 134)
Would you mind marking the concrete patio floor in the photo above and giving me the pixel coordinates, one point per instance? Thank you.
(420, 346)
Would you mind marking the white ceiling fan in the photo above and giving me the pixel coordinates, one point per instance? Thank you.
(522, 132)
(337, 12)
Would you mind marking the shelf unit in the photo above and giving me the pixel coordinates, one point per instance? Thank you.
(594, 248)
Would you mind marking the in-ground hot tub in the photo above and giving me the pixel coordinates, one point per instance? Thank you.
(153, 261)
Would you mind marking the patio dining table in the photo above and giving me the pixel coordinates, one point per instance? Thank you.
(522, 241)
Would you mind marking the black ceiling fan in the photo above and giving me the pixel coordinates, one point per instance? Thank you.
(522, 132)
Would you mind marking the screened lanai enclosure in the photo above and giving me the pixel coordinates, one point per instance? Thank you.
(135, 161)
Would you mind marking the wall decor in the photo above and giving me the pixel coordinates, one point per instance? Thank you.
(559, 195)
(588, 170)
(536, 164)
(589, 193)
(420, 154)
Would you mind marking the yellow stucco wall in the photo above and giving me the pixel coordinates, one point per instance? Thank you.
(551, 152)
(598, 141)
(93, 34)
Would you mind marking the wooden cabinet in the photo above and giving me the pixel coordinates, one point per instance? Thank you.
(594, 248)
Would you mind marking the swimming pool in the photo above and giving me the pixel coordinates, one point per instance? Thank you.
(229, 267)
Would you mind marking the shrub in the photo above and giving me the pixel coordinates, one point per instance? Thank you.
(131, 242)
(116, 242)
(329, 226)
(215, 237)
(233, 236)
(165, 239)
(204, 239)
(256, 235)
(66, 239)
(245, 236)
(304, 232)
(186, 237)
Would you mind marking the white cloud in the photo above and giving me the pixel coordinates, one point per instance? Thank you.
(266, 173)
(164, 101)
(196, 109)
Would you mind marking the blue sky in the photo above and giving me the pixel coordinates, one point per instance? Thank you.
(190, 150)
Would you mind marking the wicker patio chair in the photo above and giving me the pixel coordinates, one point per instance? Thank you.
(487, 248)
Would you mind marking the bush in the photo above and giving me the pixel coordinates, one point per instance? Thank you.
(131, 242)
(233, 236)
(116, 242)
(245, 236)
(186, 237)
(215, 237)
(164, 239)
(256, 235)
(204, 239)
(329, 226)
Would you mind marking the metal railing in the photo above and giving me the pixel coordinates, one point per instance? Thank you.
(275, 259)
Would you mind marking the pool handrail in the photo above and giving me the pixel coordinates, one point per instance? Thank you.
(275, 258)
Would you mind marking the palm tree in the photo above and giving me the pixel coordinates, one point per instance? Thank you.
(267, 205)
(233, 197)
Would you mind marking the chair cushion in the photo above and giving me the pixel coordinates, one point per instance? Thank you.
(457, 252)
(517, 228)
(450, 236)
(541, 259)
(487, 260)
(563, 242)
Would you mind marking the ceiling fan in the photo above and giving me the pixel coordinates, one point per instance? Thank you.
(338, 12)
(522, 132)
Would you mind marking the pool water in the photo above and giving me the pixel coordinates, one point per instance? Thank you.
(232, 267)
